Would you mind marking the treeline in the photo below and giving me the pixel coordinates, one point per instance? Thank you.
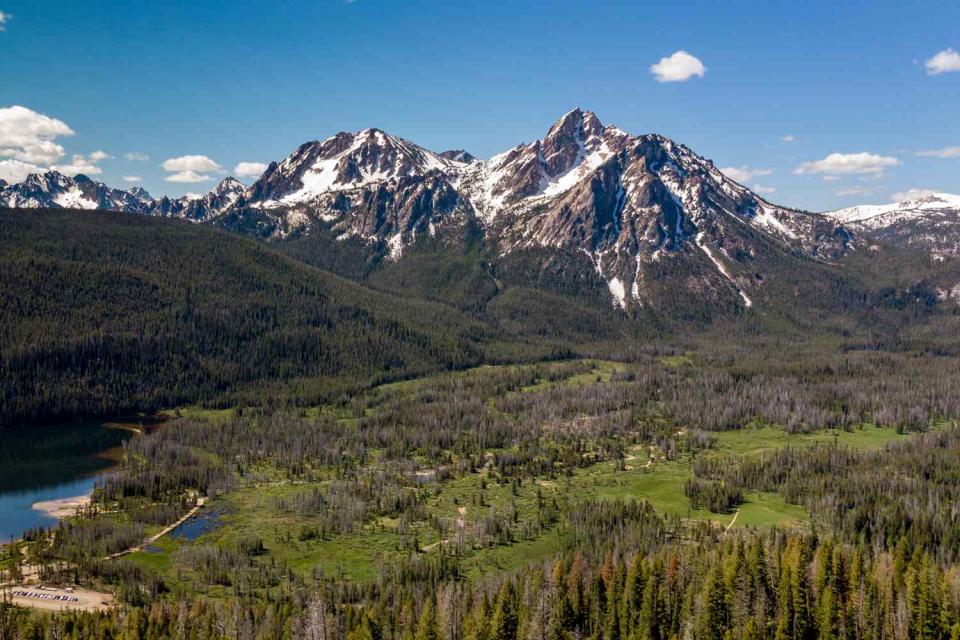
(765, 585)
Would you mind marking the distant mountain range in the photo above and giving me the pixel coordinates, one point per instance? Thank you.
(930, 221)
(639, 213)
(53, 190)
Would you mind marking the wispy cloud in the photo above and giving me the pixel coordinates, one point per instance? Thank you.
(911, 194)
(188, 176)
(945, 61)
(678, 67)
(136, 156)
(249, 169)
(848, 164)
(80, 163)
(946, 152)
(856, 191)
(744, 174)
(764, 190)
(788, 138)
(132, 179)
(4, 19)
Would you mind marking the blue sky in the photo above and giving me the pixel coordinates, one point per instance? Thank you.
(247, 81)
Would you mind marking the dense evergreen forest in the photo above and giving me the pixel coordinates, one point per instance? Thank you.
(105, 314)
(108, 314)
(411, 452)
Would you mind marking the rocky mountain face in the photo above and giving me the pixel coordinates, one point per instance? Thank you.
(367, 184)
(458, 155)
(629, 201)
(622, 202)
(625, 208)
(53, 190)
(929, 221)
(200, 208)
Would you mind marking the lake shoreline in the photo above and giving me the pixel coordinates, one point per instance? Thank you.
(62, 507)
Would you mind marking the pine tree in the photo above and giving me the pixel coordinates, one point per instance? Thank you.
(427, 626)
(505, 616)
(713, 616)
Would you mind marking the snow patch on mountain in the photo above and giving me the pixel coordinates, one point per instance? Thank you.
(722, 268)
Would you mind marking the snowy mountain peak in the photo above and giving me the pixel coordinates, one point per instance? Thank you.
(140, 192)
(52, 189)
(227, 192)
(621, 200)
(344, 162)
(573, 136)
(623, 203)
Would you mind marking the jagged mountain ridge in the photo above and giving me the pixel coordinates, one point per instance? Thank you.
(623, 203)
(929, 221)
(53, 190)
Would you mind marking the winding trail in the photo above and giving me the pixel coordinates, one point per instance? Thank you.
(729, 526)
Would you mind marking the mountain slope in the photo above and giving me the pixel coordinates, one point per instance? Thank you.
(629, 201)
(111, 313)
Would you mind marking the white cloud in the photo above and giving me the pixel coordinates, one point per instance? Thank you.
(744, 174)
(946, 152)
(944, 62)
(250, 169)
(848, 164)
(188, 176)
(787, 138)
(29, 136)
(17, 171)
(911, 194)
(191, 163)
(97, 156)
(80, 163)
(855, 191)
(132, 179)
(764, 190)
(190, 169)
(4, 19)
(136, 156)
(679, 67)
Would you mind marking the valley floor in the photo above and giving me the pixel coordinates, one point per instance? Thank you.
(464, 478)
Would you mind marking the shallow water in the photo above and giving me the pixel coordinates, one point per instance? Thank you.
(205, 521)
(50, 463)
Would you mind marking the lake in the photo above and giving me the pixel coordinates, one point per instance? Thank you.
(51, 463)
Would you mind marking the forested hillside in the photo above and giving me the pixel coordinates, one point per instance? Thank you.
(108, 313)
